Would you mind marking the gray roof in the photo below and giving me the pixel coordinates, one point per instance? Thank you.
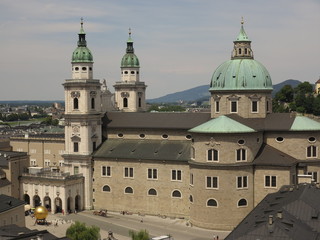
(270, 156)
(295, 214)
(155, 120)
(7, 203)
(4, 182)
(6, 155)
(144, 149)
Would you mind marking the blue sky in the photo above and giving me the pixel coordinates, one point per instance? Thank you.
(179, 42)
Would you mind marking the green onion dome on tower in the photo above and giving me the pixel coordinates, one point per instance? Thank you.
(130, 59)
(242, 72)
(82, 53)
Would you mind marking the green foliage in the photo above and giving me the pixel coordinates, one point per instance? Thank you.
(79, 231)
(166, 108)
(141, 235)
(50, 121)
(285, 94)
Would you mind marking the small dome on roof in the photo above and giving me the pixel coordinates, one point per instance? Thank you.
(130, 59)
(82, 54)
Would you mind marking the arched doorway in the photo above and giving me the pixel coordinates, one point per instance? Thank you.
(26, 198)
(77, 204)
(69, 204)
(47, 203)
(58, 204)
(36, 201)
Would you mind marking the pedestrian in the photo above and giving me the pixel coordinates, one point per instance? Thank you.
(214, 237)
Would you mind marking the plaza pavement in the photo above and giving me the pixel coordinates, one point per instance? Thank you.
(120, 225)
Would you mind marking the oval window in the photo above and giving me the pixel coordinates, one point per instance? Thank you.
(125, 72)
(142, 135)
(120, 135)
(165, 136)
(312, 139)
(279, 139)
(132, 72)
(188, 137)
(241, 142)
(84, 68)
(76, 68)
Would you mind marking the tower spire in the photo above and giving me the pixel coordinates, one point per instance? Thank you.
(242, 45)
(130, 48)
(82, 36)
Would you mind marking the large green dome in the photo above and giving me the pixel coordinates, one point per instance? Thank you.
(130, 60)
(241, 74)
(82, 54)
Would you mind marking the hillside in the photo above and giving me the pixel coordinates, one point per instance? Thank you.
(201, 93)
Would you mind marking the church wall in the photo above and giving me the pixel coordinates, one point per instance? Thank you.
(227, 213)
(294, 143)
(140, 202)
(227, 146)
(283, 177)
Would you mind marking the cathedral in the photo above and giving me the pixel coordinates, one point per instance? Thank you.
(211, 169)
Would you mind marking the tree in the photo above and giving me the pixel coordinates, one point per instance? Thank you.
(79, 231)
(285, 94)
(141, 235)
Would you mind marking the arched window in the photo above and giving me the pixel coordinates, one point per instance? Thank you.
(106, 188)
(76, 147)
(125, 102)
(75, 103)
(191, 198)
(212, 203)
(242, 202)
(241, 154)
(311, 151)
(213, 155)
(139, 102)
(92, 103)
(152, 192)
(128, 190)
(176, 194)
(193, 153)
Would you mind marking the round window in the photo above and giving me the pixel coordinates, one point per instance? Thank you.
(132, 72)
(188, 137)
(125, 72)
(84, 68)
(76, 68)
(279, 139)
(241, 142)
(142, 135)
(165, 136)
(312, 139)
(120, 135)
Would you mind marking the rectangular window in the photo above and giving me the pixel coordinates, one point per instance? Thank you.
(242, 182)
(213, 155)
(128, 172)
(217, 106)
(76, 147)
(106, 171)
(176, 175)
(33, 150)
(314, 176)
(254, 106)
(241, 154)
(191, 178)
(267, 104)
(47, 151)
(94, 146)
(46, 163)
(234, 106)
(60, 163)
(75, 170)
(270, 181)
(33, 162)
(152, 173)
(212, 182)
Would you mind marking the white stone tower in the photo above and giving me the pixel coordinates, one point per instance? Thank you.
(82, 116)
(130, 92)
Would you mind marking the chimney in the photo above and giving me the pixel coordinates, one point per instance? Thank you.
(270, 219)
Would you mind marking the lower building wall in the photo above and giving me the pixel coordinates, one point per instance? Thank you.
(13, 216)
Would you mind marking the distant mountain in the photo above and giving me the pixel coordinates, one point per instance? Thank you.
(202, 93)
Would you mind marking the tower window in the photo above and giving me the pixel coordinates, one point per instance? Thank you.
(245, 51)
(217, 106)
(234, 106)
(125, 102)
(241, 154)
(76, 147)
(94, 146)
(125, 72)
(139, 102)
(92, 103)
(90, 68)
(76, 68)
(84, 69)
(254, 106)
(75, 103)
(137, 72)
(132, 72)
(213, 155)
(239, 50)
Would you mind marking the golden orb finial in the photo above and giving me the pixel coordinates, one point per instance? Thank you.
(41, 213)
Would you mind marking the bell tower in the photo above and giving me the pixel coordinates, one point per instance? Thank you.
(130, 93)
(82, 116)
